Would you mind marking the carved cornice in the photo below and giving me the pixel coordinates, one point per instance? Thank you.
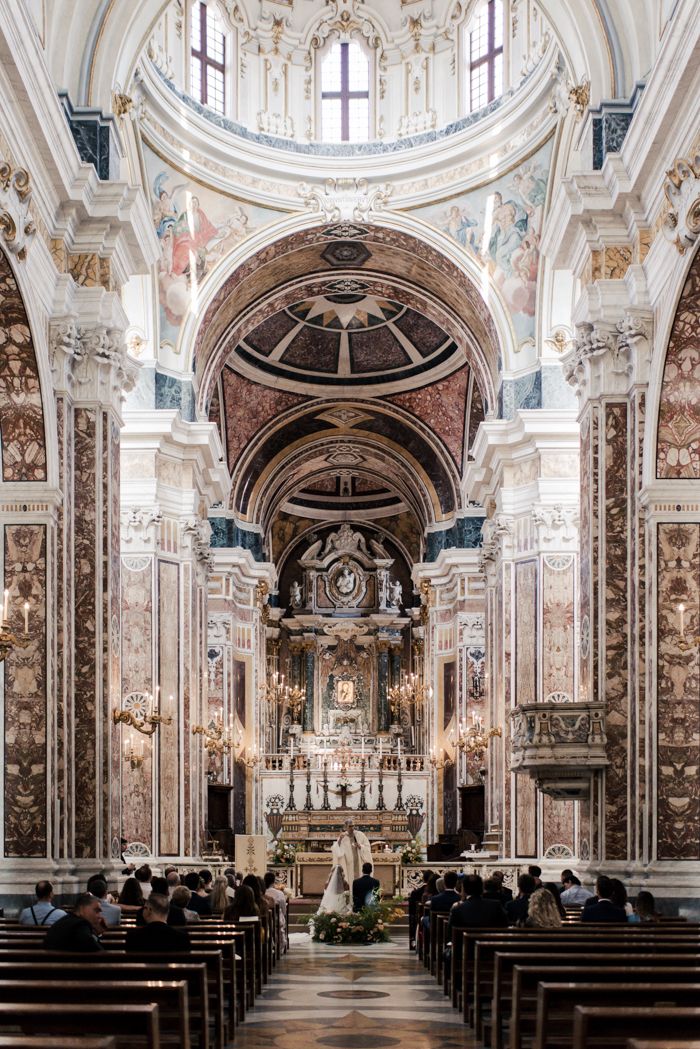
(682, 189)
(17, 228)
(345, 199)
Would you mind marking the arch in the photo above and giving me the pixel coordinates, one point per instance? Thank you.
(24, 456)
(318, 526)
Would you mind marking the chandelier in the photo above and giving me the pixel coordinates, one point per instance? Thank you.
(411, 692)
(277, 694)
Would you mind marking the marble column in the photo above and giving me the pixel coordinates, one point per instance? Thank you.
(608, 367)
(309, 646)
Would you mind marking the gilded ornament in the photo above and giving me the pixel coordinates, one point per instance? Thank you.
(580, 97)
(121, 104)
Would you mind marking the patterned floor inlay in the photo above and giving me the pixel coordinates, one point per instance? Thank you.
(392, 1003)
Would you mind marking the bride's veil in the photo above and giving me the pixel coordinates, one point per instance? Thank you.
(334, 898)
(336, 885)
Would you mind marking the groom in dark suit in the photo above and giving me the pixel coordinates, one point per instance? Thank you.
(362, 887)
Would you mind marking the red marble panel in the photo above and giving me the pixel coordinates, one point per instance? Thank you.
(678, 698)
(113, 761)
(678, 436)
(169, 680)
(86, 612)
(187, 691)
(442, 408)
(64, 621)
(25, 757)
(137, 676)
(557, 823)
(217, 705)
(247, 407)
(585, 561)
(558, 625)
(21, 409)
(525, 665)
(476, 413)
(616, 621)
(502, 627)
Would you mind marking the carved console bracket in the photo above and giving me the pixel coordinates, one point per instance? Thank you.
(682, 189)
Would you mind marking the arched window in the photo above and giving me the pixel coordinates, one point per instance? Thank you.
(345, 93)
(485, 49)
(207, 56)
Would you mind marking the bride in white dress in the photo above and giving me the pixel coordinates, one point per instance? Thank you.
(336, 898)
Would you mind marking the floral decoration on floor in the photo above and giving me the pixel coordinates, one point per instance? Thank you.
(370, 925)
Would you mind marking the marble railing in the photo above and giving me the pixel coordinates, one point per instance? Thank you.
(560, 745)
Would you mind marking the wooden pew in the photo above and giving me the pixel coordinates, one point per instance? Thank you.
(193, 974)
(28, 1041)
(556, 1002)
(661, 1043)
(610, 1028)
(124, 1022)
(517, 975)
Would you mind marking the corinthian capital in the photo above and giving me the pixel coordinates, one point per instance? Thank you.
(91, 363)
(603, 358)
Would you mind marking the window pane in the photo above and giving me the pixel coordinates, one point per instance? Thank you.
(358, 68)
(479, 87)
(196, 78)
(479, 35)
(215, 89)
(215, 37)
(330, 70)
(498, 26)
(359, 120)
(330, 120)
(498, 76)
(195, 28)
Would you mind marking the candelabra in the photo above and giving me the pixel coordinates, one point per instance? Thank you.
(325, 805)
(474, 740)
(363, 801)
(215, 741)
(8, 640)
(439, 763)
(291, 804)
(277, 694)
(308, 804)
(380, 786)
(399, 806)
(252, 760)
(411, 692)
(140, 714)
(133, 755)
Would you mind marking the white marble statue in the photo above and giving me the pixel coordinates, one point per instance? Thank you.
(395, 593)
(295, 595)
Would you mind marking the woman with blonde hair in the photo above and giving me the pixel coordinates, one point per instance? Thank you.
(542, 912)
(219, 895)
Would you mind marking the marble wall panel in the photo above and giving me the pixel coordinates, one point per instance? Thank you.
(217, 705)
(594, 547)
(113, 763)
(448, 693)
(137, 676)
(21, 410)
(25, 699)
(169, 680)
(616, 628)
(441, 407)
(187, 700)
(64, 619)
(239, 690)
(558, 645)
(502, 626)
(678, 702)
(86, 615)
(557, 823)
(678, 435)
(525, 691)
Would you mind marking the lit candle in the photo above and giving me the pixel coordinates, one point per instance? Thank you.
(380, 748)
(26, 617)
(413, 736)
(363, 747)
(399, 748)
(6, 606)
(681, 613)
(291, 749)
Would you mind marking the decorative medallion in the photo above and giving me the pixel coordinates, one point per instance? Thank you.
(346, 583)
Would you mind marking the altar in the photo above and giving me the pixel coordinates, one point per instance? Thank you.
(313, 869)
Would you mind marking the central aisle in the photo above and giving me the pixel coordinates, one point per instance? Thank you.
(353, 998)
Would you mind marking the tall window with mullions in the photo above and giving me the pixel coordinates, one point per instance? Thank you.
(345, 93)
(486, 54)
(207, 57)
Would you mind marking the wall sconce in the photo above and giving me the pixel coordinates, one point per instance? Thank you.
(252, 760)
(439, 763)
(8, 640)
(140, 715)
(215, 742)
(133, 754)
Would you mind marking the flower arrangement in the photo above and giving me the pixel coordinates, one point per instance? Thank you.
(370, 925)
(411, 853)
(283, 854)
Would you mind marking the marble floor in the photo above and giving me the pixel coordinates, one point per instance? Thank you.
(352, 998)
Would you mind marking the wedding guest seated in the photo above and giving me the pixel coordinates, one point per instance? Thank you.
(276, 895)
(554, 889)
(414, 899)
(441, 902)
(506, 894)
(207, 879)
(475, 910)
(619, 897)
(542, 912)
(601, 907)
(644, 908)
(573, 893)
(111, 912)
(156, 936)
(535, 872)
(200, 902)
(143, 875)
(363, 888)
(255, 884)
(79, 931)
(243, 905)
(492, 891)
(219, 896)
(43, 912)
(131, 897)
(516, 910)
(173, 880)
(180, 901)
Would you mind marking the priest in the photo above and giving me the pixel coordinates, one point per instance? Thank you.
(351, 851)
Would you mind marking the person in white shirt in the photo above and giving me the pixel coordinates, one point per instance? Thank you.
(574, 894)
(111, 913)
(277, 896)
(143, 875)
(43, 912)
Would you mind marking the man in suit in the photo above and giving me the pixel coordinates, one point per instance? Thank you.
(603, 909)
(79, 931)
(156, 936)
(504, 893)
(414, 901)
(474, 911)
(362, 887)
(516, 910)
(441, 903)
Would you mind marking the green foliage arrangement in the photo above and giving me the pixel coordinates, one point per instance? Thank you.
(370, 925)
(283, 854)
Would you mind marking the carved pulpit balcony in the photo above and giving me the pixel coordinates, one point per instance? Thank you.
(560, 745)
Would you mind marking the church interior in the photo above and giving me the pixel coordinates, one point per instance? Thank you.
(350, 439)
